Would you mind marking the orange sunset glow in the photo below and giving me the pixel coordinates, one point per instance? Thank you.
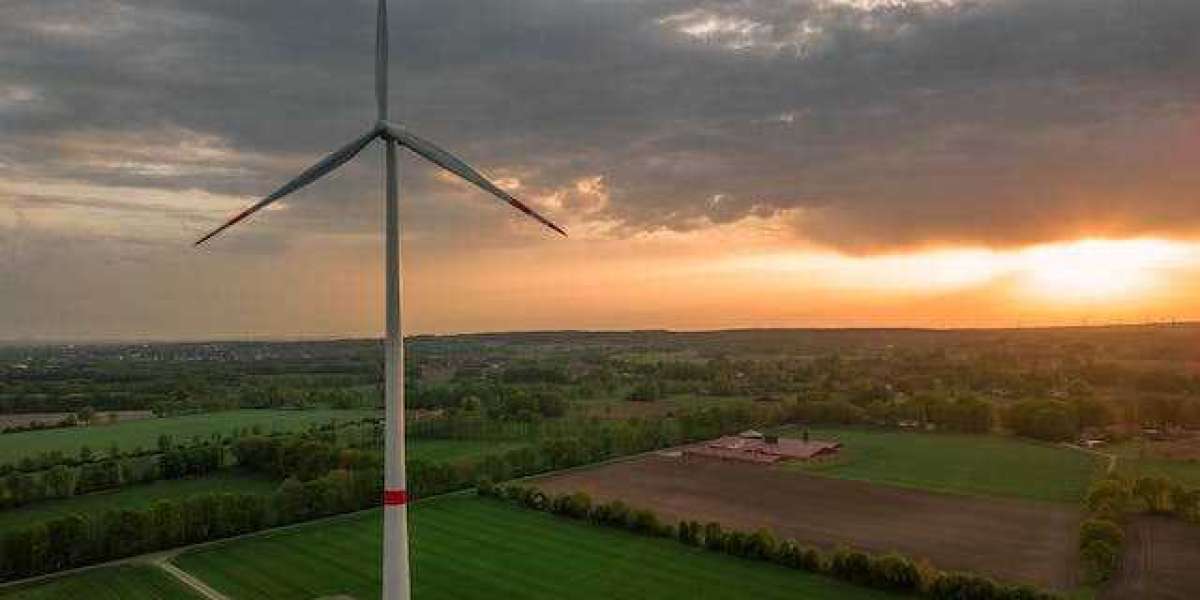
(829, 164)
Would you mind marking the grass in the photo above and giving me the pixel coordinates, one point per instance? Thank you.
(1134, 462)
(449, 450)
(466, 547)
(144, 433)
(135, 497)
(977, 465)
(125, 582)
(618, 407)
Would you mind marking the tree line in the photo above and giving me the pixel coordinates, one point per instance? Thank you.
(79, 539)
(323, 476)
(88, 472)
(319, 479)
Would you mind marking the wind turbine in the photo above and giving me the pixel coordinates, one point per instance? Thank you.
(395, 497)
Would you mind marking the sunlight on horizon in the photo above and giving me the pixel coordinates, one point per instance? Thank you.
(1096, 270)
(1074, 272)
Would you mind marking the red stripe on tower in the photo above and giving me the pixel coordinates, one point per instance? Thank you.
(395, 497)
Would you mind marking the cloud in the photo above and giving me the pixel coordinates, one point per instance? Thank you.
(865, 126)
(884, 122)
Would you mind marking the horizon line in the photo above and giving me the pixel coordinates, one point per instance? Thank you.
(302, 338)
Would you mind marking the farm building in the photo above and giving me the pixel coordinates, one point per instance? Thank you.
(754, 447)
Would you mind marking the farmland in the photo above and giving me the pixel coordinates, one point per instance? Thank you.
(1160, 561)
(464, 547)
(982, 465)
(452, 450)
(545, 402)
(145, 433)
(127, 582)
(1134, 459)
(1014, 540)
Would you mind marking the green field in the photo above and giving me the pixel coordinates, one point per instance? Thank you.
(125, 582)
(466, 547)
(449, 450)
(618, 407)
(144, 433)
(135, 497)
(1133, 462)
(979, 465)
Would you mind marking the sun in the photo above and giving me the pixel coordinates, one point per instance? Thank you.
(1097, 270)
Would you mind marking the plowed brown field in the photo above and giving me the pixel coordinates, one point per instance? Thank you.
(1012, 540)
(1161, 561)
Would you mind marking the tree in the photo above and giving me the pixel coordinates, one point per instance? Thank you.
(1111, 498)
(1048, 420)
(1100, 559)
(85, 415)
(1154, 492)
(646, 391)
(59, 482)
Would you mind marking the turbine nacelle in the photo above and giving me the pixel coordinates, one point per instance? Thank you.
(396, 133)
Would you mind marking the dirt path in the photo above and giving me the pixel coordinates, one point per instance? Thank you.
(1013, 540)
(190, 581)
(1112, 458)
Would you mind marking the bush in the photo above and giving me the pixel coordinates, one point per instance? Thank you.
(645, 521)
(1100, 559)
(963, 586)
(714, 538)
(850, 565)
(1022, 592)
(613, 514)
(760, 545)
(690, 533)
(536, 499)
(1155, 493)
(1100, 530)
(812, 560)
(1110, 498)
(791, 554)
(787, 554)
(578, 505)
(894, 572)
(484, 487)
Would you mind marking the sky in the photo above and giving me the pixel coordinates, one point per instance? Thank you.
(732, 163)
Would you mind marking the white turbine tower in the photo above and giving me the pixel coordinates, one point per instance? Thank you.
(395, 498)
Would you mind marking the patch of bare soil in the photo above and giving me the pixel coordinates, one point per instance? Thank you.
(1161, 561)
(1012, 540)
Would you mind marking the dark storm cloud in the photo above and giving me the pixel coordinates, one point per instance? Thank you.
(876, 123)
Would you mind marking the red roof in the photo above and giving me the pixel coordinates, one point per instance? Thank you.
(761, 451)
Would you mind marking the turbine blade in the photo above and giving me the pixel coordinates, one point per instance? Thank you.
(313, 173)
(445, 160)
(381, 60)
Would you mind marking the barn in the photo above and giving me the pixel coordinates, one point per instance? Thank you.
(754, 447)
